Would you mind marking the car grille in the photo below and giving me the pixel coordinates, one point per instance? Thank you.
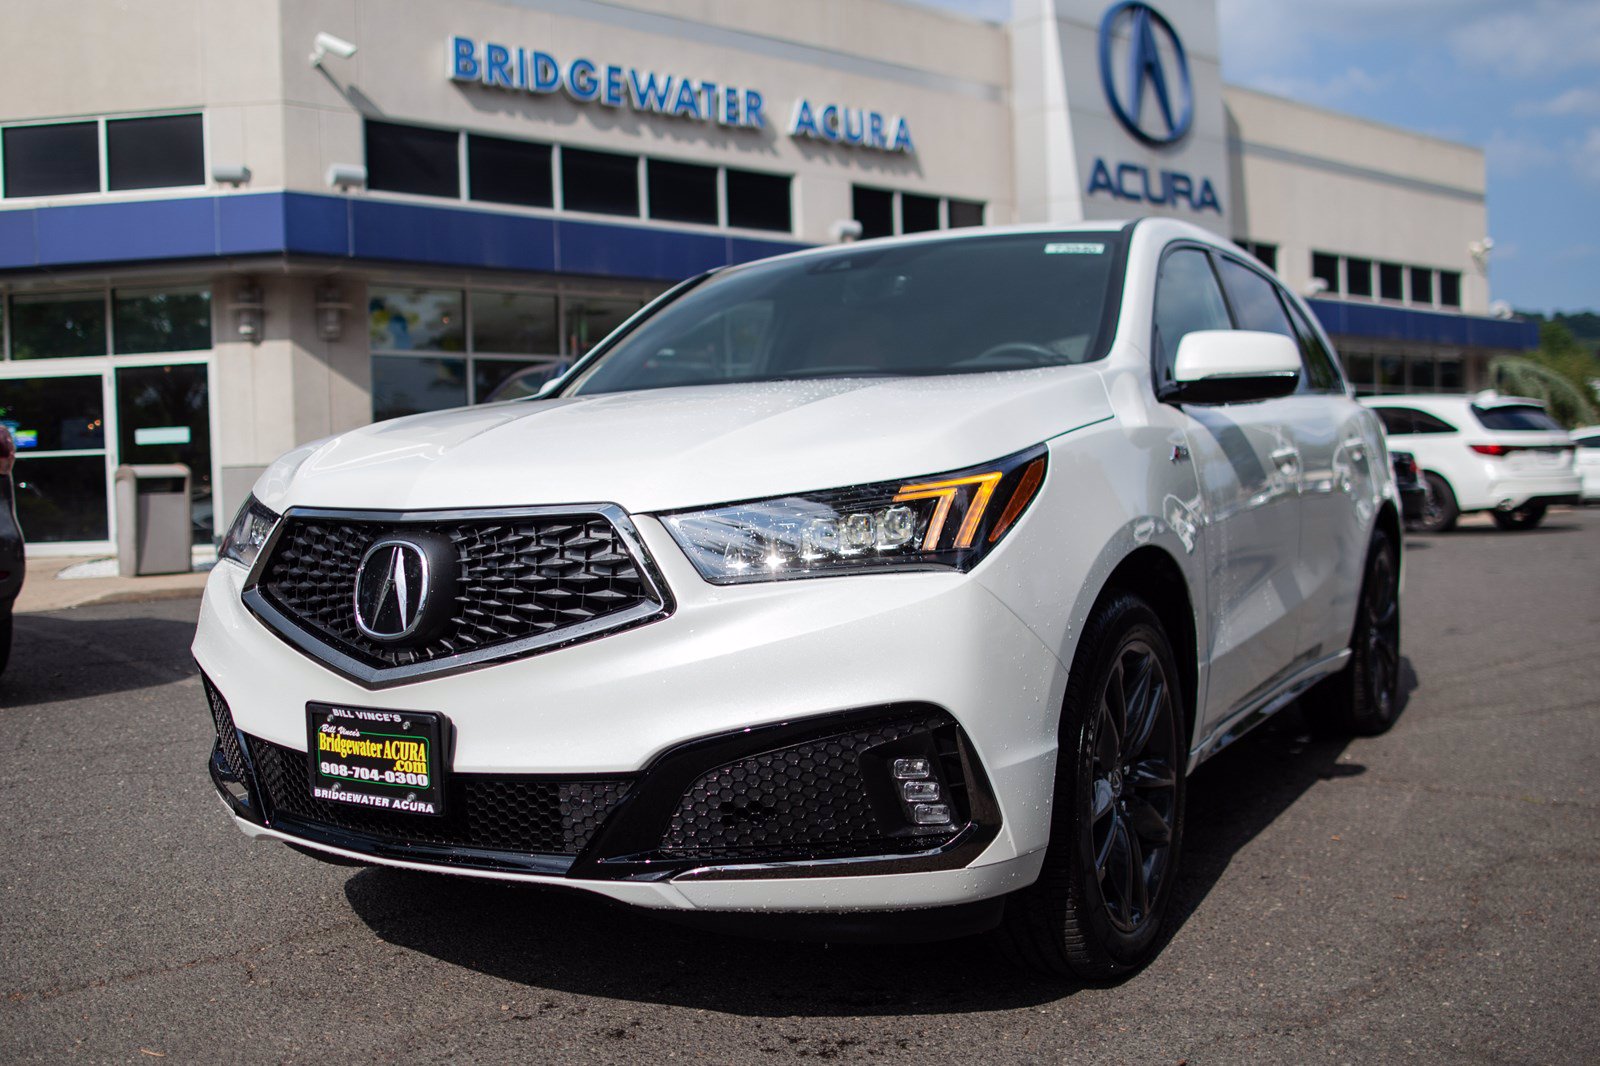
(227, 736)
(522, 580)
(522, 814)
(816, 799)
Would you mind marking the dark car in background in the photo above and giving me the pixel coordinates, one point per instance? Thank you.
(12, 567)
(1413, 490)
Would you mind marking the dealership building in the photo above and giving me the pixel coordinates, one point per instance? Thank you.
(228, 227)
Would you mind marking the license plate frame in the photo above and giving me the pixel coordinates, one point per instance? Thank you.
(367, 758)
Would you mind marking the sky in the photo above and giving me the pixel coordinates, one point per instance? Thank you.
(1518, 78)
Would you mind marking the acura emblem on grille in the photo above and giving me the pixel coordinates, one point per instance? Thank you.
(391, 589)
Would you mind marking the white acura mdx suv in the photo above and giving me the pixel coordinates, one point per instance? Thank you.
(911, 575)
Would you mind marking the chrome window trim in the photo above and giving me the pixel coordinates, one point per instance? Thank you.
(659, 603)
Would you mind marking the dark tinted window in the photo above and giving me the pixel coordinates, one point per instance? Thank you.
(52, 160)
(1515, 417)
(1587, 442)
(1423, 422)
(602, 182)
(1253, 298)
(161, 320)
(1449, 288)
(1421, 285)
(1267, 253)
(1326, 267)
(412, 159)
(1358, 277)
(150, 153)
(509, 172)
(758, 201)
(681, 192)
(875, 311)
(1391, 283)
(58, 325)
(874, 209)
(1424, 376)
(965, 213)
(1396, 420)
(1322, 372)
(1187, 299)
(918, 213)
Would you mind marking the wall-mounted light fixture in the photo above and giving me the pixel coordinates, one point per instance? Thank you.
(230, 173)
(331, 307)
(347, 176)
(249, 309)
(324, 43)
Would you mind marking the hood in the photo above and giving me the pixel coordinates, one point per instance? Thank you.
(685, 447)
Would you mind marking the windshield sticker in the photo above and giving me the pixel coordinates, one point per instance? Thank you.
(1074, 248)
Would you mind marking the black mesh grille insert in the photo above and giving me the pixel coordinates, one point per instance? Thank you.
(523, 814)
(827, 797)
(516, 578)
(227, 738)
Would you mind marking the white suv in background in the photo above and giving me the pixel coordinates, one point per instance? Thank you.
(1502, 454)
(1587, 439)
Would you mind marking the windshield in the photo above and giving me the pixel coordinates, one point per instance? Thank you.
(1516, 417)
(964, 305)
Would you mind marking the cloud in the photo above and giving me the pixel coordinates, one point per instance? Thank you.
(1353, 81)
(1529, 40)
(1511, 154)
(1577, 101)
(1584, 154)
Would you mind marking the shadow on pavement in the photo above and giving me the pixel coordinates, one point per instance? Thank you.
(87, 652)
(569, 941)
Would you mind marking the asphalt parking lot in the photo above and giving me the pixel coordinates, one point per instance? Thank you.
(1434, 893)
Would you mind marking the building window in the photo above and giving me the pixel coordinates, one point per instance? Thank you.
(681, 192)
(1391, 281)
(1326, 267)
(1358, 277)
(964, 213)
(1421, 285)
(874, 209)
(52, 160)
(604, 183)
(1449, 288)
(504, 171)
(414, 320)
(918, 214)
(161, 320)
(759, 201)
(1451, 378)
(589, 318)
(58, 325)
(154, 153)
(884, 212)
(413, 159)
(520, 323)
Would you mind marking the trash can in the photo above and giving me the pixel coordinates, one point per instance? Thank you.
(153, 519)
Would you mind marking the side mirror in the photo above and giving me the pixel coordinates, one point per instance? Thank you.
(1233, 366)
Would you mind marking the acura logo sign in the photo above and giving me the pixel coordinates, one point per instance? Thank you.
(392, 586)
(1155, 71)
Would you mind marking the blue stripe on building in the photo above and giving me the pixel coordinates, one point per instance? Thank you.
(291, 223)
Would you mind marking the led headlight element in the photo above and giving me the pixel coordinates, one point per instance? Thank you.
(944, 521)
(249, 533)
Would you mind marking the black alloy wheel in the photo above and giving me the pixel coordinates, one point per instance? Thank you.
(1364, 697)
(1527, 516)
(1097, 908)
(1439, 510)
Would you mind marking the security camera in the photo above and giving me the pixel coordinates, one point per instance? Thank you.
(1315, 287)
(327, 42)
(846, 230)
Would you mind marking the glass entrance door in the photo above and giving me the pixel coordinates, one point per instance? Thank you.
(61, 477)
(164, 416)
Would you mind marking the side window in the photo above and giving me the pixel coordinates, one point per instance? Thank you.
(1321, 371)
(1422, 422)
(1254, 299)
(1187, 299)
(1396, 420)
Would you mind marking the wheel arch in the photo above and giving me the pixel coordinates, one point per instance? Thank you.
(1154, 576)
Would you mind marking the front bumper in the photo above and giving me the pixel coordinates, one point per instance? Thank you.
(733, 673)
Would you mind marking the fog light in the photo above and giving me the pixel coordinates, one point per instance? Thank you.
(919, 791)
(930, 814)
(907, 769)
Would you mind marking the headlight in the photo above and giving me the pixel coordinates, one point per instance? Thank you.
(944, 521)
(248, 533)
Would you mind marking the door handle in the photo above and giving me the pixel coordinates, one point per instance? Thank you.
(1356, 448)
(1287, 460)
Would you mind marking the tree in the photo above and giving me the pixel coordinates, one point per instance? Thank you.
(1561, 373)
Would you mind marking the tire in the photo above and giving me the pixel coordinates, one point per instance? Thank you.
(1439, 510)
(5, 635)
(1364, 698)
(1097, 910)
(1525, 517)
